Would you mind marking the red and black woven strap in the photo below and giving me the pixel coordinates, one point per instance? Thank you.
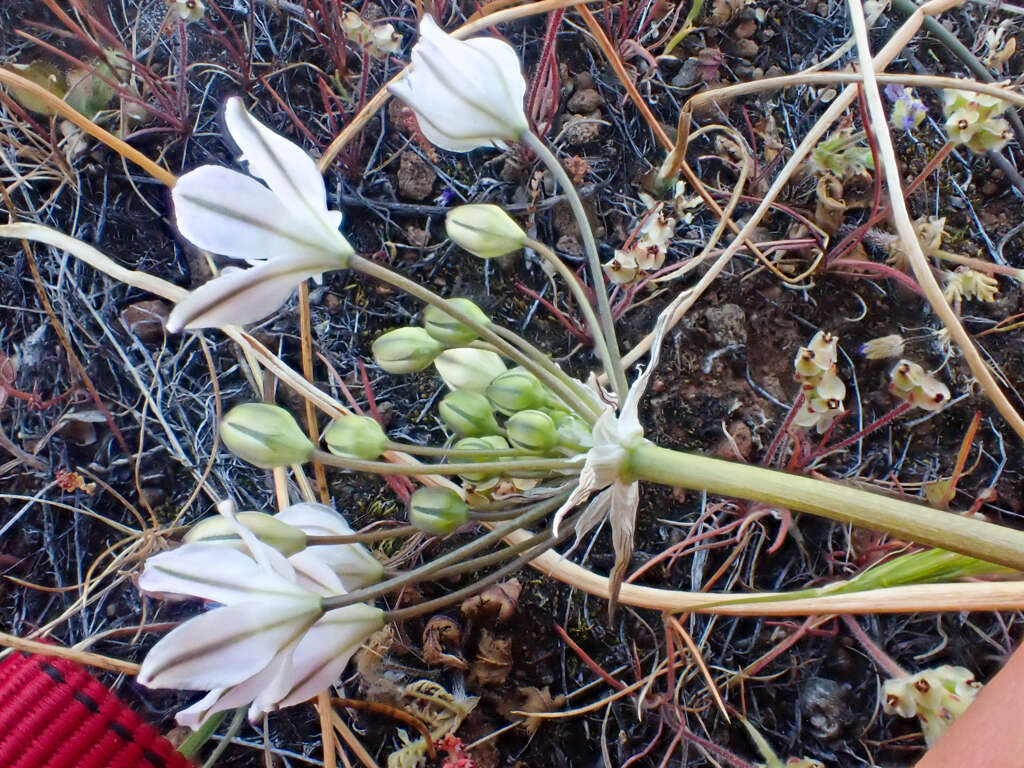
(54, 714)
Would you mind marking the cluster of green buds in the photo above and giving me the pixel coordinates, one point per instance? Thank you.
(975, 120)
(414, 348)
(935, 696)
(823, 390)
(910, 382)
(843, 154)
(646, 250)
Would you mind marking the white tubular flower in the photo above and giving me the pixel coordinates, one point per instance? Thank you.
(270, 643)
(283, 228)
(348, 566)
(466, 94)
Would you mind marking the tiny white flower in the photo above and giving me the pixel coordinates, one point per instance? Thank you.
(269, 643)
(468, 368)
(189, 10)
(284, 227)
(466, 94)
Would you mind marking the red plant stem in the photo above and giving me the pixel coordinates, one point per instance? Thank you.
(585, 658)
(776, 443)
(882, 270)
(847, 243)
(572, 326)
(878, 423)
(881, 658)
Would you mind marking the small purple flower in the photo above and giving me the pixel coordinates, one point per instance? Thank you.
(908, 111)
(445, 198)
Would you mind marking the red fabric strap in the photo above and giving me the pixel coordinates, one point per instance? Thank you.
(54, 714)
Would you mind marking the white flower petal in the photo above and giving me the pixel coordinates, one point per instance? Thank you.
(286, 168)
(326, 648)
(352, 563)
(625, 498)
(225, 646)
(465, 94)
(248, 295)
(228, 213)
(314, 574)
(264, 554)
(216, 573)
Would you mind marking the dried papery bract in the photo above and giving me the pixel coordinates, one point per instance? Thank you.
(466, 94)
(284, 227)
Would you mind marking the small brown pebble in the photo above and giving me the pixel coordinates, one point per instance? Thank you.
(583, 81)
(146, 319)
(415, 177)
(584, 101)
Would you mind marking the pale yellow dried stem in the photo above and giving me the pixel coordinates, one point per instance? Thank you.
(62, 108)
(87, 658)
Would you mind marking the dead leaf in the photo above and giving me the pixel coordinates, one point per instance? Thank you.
(496, 603)
(493, 660)
(441, 634)
(532, 699)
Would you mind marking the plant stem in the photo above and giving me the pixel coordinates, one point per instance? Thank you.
(541, 367)
(496, 534)
(616, 373)
(452, 453)
(537, 464)
(600, 343)
(850, 506)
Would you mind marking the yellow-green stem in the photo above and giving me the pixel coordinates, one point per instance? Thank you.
(852, 506)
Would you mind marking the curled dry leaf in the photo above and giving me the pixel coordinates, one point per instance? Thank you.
(531, 699)
(441, 634)
(493, 660)
(496, 603)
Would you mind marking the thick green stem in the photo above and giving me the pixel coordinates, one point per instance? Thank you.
(616, 373)
(913, 522)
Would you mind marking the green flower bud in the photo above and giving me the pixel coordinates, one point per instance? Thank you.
(437, 510)
(573, 431)
(449, 331)
(488, 443)
(516, 390)
(468, 414)
(358, 437)
(265, 435)
(484, 230)
(405, 350)
(532, 431)
(285, 538)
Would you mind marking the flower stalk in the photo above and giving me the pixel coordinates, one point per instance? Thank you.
(850, 506)
(616, 372)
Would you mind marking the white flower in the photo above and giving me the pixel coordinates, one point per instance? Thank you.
(466, 94)
(468, 368)
(283, 228)
(189, 10)
(270, 643)
(329, 568)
